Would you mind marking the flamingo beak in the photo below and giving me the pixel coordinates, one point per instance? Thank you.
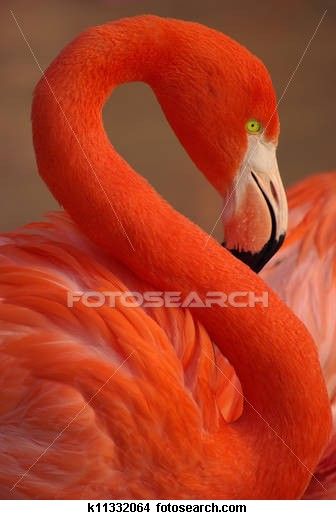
(255, 211)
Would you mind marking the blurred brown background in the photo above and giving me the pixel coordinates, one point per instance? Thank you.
(277, 32)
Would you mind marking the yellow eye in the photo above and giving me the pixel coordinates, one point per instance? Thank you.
(253, 126)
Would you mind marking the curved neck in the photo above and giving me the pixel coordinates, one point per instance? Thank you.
(270, 349)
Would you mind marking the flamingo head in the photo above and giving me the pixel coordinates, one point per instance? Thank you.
(254, 210)
(219, 99)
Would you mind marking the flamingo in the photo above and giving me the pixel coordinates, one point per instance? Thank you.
(131, 402)
(303, 274)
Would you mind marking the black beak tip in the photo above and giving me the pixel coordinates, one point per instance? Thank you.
(256, 261)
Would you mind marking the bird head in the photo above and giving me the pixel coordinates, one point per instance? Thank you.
(220, 101)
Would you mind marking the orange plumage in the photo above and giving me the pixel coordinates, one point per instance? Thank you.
(303, 273)
(130, 402)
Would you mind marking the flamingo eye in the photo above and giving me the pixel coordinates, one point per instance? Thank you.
(253, 126)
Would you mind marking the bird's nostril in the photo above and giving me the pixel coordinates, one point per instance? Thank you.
(273, 191)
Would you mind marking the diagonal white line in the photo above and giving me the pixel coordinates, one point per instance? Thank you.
(262, 134)
(70, 127)
(264, 420)
(302, 57)
(69, 423)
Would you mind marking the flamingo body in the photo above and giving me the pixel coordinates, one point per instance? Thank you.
(93, 374)
(303, 273)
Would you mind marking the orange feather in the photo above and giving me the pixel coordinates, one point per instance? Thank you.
(303, 273)
(127, 403)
